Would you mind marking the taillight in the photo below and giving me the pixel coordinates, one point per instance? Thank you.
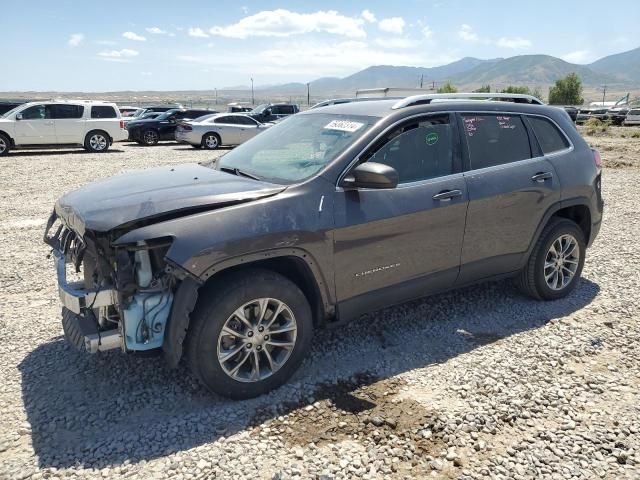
(596, 158)
(122, 124)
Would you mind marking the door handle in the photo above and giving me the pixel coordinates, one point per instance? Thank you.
(542, 176)
(447, 195)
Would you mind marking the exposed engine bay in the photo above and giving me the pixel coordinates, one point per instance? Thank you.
(121, 297)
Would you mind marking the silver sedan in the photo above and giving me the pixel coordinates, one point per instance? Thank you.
(211, 131)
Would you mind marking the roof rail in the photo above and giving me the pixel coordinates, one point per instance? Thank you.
(427, 99)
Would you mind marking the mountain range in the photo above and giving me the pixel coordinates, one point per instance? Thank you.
(618, 70)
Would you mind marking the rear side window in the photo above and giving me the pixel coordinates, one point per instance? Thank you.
(495, 139)
(231, 120)
(103, 111)
(67, 111)
(245, 121)
(634, 112)
(549, 137)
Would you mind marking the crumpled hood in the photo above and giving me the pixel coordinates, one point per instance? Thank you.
(148, 194)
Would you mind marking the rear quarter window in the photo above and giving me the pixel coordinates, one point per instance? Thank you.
(495, 139)
(67, 111)
(103, 111)
(549, 136)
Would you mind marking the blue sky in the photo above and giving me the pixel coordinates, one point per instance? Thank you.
(69, 45)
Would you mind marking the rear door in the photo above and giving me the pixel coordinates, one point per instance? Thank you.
(395, 244)
(228, 127)
(36, 126)
(511, 186)
(70, 123)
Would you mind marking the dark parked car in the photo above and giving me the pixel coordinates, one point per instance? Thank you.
(335, 212)
(6, 106)
(572, 112)
(149, 131)
(617, 115)
(586, 113)
(272, 112)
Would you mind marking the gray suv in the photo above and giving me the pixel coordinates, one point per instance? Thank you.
(331, 213)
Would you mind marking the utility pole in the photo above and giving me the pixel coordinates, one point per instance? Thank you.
(421, 80)
(308, 96)
(252, 100)
(604, 92)
(216, 90)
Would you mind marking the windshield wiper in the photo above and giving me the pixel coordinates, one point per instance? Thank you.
(239, 173)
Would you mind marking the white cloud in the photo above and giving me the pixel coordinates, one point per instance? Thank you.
(284, 23)
(514, 42)
(368, 16)
(392, 25)
(244, 9)
(579, 56)
(124, 53)
(156, 31)
(427, 32)
(134, 36)
(198, 32)
(467, 34)
(395, 42)
(75, 39)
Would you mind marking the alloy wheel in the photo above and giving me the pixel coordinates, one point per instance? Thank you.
(3, 145)
(257, 340)
(211, 141)
(150, 137)
(98, 142)
(561, 262)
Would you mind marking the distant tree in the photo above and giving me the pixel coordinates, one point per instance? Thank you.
(538, 94)
(483, 89)
(516, 89)
(566, 91)
(447, 88)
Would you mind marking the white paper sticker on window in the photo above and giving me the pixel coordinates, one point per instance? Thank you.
(344, 125)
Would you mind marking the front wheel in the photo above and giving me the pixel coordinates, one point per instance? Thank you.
(555, 265)
(96, 142)
(249, 334)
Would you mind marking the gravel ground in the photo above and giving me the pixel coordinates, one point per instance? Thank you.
(477, 383)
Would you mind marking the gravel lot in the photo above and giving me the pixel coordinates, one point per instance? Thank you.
(477, 383)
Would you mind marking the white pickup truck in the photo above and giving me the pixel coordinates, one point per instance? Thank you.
(89, 124)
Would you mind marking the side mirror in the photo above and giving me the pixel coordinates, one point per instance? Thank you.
(371, 175)
(18, 116)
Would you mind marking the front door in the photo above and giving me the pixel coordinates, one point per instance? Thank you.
(397, 244)
(510, 189)
(36, 126)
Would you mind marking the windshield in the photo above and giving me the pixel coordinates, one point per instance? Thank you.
(296, 148)
(13, 110)
(167, 114)
(260, 108)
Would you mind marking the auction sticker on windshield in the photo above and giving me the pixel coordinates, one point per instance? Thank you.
(344, 125)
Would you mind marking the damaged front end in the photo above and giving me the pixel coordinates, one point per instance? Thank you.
(119, 297)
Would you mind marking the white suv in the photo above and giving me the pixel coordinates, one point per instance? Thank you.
(92, 125)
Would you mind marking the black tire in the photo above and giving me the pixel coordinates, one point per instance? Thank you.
(97, 141)
(211, 141)
(5, 144)
(531, 281)
(217, 304)
(150, 137)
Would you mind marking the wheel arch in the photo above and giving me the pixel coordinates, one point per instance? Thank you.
(576, 209)
(294, 264)
(12, 142)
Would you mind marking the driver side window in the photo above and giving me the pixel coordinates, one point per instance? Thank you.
(37, 112)
(418, 150)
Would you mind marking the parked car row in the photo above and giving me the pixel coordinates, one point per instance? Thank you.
(619, 115)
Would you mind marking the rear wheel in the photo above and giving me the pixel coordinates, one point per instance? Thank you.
(211, 141)
(249, 334)
(150, 137)
(96, 141)
(5, 144)
(555, 265)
